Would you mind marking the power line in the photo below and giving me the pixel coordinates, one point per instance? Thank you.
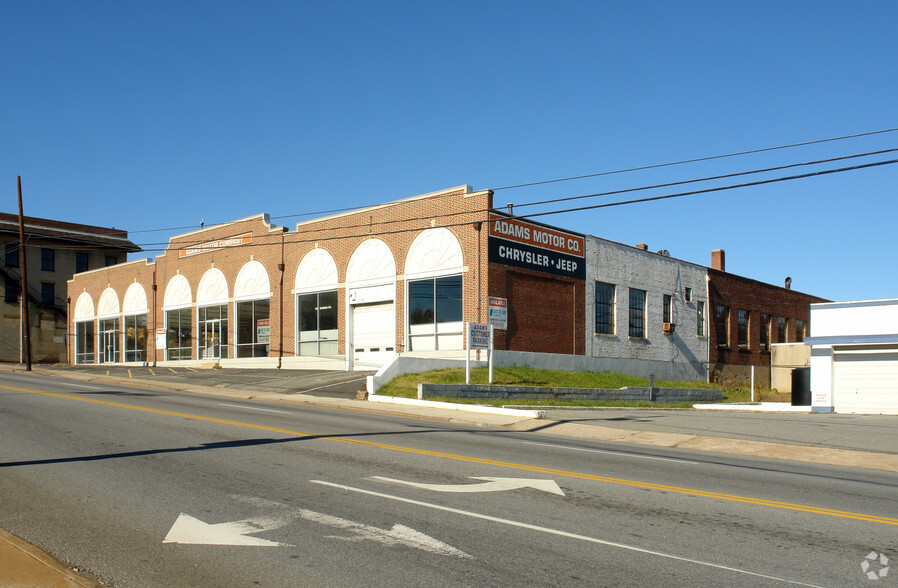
(696, 160)
(620, 171)
(293, 238)
(709, 178)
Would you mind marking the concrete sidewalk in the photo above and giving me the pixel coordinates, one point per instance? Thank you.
(837, 440)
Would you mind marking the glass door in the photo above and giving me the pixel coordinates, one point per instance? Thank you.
(212, 340)
(110, 347)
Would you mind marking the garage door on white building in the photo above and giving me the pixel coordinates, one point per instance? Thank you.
(373, 333)
(865, 380)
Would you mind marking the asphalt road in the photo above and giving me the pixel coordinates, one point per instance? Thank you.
(146, 488)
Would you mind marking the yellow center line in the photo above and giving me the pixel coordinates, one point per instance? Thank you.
(480, 460)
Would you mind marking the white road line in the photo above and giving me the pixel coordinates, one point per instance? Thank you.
(562, 533)
(621, 453)
(254, 408)
(83, 386)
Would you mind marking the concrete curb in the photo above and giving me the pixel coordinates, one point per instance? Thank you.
(22, 564)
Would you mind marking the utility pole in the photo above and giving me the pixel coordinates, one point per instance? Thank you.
(26, 327)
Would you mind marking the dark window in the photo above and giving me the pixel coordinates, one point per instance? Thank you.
(799, 331)
(700, 318)
(48, 293)
(13, 289)
(12, 254)
(604, 308)
(48, 260)
(742, 317)
(687, 294)
(765, 332)
(84, 342)
(637, 313)
(666, 312)
(722, 324)
(781, 329)
(111, 260)
(81, 262)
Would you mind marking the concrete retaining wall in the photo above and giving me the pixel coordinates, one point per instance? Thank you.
(480, 391)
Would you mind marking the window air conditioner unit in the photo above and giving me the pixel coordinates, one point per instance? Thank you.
(669, 327)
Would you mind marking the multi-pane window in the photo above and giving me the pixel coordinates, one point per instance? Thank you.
(637, 313)
(84, 342)
(178, 336)
(742, 317)
(48, 293)
(81, 262)
(700, 318)
(604, 308)
(253, 328)
(435, 313)
(12, 255)
(765, 332)
(136, 337)
(48, 260)
(666, 308)
(318, 323)
(799, 331)
(781, 329)
(722, 325)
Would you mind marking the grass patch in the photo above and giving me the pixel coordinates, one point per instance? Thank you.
(406, 386)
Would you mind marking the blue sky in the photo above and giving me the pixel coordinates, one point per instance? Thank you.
(149, 115)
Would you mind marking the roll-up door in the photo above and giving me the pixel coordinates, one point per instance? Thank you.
(865, 380)
(373, 333)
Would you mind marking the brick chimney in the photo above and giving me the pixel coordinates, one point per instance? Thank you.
(718, 260)
(642, 246)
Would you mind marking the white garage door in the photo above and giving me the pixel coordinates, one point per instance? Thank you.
(866, 380)
(373, 334)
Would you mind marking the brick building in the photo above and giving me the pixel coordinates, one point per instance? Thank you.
(54, 252)
(343, 292)
(354, 290)
(748, 317)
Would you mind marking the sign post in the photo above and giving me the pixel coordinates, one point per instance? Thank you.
(480, 336)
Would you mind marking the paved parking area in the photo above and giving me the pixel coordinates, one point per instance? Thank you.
(324, 383)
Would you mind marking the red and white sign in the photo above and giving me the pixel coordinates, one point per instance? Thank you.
(535, 235)
(160, 338)
(497, 313)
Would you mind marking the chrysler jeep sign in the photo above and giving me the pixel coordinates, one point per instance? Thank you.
(528, 245)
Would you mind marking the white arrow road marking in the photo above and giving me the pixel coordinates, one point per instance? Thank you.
(558, 532)
(192, 531)
(398, 535)
(492, 485)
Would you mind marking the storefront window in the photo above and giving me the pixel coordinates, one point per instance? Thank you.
(178, 335)
(318, 323)
(136, 337)
(435, 314)
(84, 342)
(109, 344)
(253, 328)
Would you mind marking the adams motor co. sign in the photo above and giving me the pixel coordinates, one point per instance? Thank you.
(533, 246)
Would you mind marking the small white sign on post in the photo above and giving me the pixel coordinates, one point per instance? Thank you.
(497, 311)
(480, 336)
(160, 338)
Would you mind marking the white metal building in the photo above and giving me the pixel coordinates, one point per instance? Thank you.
(854, 357)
